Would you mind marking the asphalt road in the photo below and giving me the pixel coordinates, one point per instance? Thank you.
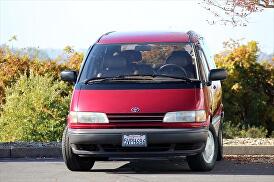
(125, 171)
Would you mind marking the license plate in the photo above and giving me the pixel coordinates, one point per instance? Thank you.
(134, 140)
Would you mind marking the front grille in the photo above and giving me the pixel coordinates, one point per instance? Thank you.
(144, 117)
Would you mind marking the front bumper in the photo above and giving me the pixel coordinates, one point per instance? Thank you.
(160, 142)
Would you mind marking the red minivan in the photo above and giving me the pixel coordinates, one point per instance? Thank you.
(144, 95)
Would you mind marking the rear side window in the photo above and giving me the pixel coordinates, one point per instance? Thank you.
(111, 60)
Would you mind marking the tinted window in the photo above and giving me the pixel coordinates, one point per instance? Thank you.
(111, 60)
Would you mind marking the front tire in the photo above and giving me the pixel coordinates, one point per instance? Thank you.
(73, 161)
(220, 155)
(205, 161)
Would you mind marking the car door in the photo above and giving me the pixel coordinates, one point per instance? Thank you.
(215, 93)
(203, 72)
(213, 87)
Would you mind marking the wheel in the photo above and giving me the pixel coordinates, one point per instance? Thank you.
(220, 155)
(172, 69)
(205, 161)
(73, 161)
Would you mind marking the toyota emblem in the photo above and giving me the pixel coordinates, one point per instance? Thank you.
(135, 109)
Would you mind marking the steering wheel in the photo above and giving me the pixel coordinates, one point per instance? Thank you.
(172, 68)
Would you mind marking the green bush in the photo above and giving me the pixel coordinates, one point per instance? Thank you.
(255, 132)
(272, 134)
(35, 109)
(229, 130)
(232, 131)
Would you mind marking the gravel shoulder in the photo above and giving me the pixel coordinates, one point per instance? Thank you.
(250, 141)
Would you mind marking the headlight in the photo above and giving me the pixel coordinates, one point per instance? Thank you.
(88, 117)
(185, 116)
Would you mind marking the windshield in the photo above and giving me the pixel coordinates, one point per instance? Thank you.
(118, 60)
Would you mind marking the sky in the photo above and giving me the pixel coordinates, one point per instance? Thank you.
(55, 24)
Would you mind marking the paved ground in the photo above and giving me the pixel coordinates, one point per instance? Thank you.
(125, 171)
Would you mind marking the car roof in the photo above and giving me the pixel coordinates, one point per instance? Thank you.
(143, 37)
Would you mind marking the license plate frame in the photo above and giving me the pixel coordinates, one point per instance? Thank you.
(134, 140)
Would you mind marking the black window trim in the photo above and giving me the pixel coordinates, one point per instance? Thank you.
(200, 68)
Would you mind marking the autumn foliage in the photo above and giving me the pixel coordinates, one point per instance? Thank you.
(13, 64)
(248, 93)
(33, 100)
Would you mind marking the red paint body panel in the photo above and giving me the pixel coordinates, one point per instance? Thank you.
(149, 101)
(74, 100)
(142, 37)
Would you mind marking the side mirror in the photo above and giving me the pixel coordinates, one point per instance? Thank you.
(69, 76)
(217, 74)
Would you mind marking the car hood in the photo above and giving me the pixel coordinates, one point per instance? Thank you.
(147, 101)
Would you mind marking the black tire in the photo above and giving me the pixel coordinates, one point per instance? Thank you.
(198, 162)
(220, 155)
(73, 161)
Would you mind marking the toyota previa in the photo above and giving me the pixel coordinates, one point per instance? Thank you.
(145, 95)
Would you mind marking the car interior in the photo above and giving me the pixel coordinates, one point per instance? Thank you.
(130, 62)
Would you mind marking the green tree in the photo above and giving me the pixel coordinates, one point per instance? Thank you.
(249, 90)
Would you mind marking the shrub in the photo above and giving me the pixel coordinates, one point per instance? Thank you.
(254, 132)
(231, 131)
(11, 66)
(35, 109)
(272, 134)
(14, 63)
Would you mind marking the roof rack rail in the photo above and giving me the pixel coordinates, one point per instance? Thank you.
(193, 36)
(104, 35)
(109, 32)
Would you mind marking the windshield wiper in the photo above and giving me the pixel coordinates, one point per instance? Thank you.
(175, 77)
(133, 77)
(120, 77)
(160, 75)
